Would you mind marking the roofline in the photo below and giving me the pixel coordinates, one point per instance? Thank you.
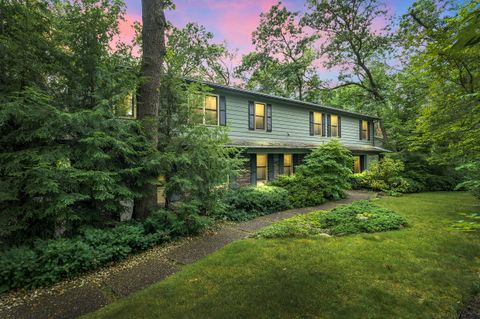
(282, 99)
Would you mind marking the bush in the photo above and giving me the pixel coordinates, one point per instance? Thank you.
(324, 175)
(385, 175)
(46, 262)
(357, 180)
(358, 217)
(424, 175)
(248, 202)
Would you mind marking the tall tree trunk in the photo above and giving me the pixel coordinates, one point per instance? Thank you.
(153, 36)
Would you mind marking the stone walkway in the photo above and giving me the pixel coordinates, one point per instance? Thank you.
(71, 299)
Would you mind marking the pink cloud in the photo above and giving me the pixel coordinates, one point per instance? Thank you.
(125, 27)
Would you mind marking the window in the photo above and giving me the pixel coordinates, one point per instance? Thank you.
(287, 164)
(259, 116)
(317, 123)
(208, 113)
(357, 168)
(334, 125)
(261, 168)
(364, 129)
(126, 107)
(161, 190)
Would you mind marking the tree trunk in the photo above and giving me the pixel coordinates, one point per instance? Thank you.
(153, 36)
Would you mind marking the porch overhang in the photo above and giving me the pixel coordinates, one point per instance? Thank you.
(252, 146)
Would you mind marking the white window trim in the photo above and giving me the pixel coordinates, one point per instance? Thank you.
(218, 109)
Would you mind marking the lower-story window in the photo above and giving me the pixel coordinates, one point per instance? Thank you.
(261, 168)
(287, 164)
(358, 163)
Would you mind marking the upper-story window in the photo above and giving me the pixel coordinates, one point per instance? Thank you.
(317, 123)
(334, 125)
(209, 110)
(259, 116)
(364, 130)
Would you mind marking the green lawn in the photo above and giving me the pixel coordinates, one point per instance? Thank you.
(423, 271)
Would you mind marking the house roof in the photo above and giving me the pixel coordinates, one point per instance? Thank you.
(284, 100)
(252, 144)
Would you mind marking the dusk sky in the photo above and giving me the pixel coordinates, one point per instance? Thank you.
(231, 21)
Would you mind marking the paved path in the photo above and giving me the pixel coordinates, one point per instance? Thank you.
(71, 302)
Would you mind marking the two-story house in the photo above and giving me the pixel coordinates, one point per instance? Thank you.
(277, 132)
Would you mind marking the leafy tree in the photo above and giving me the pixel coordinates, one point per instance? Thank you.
(66, 161)
(153, 50)
(353, 45)
(196, 162)
(26, 50)
(283, 61)
(60, 170)
(449, 122)
(191, 54)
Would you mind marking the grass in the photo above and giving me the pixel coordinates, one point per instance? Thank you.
(423, 271)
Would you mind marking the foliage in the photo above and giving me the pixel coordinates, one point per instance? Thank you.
(191, 54)
(65, 169)
(423, 175)
(359, 217)
(196, 163)
(323, 175)
(448, 123)
(373, 272)
(353, 44)
(283, 61)
(470, 223)
(46, 262)
(472, 180)
(386, 175)
(248, 202)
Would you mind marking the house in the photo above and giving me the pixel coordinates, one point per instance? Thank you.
(278, 132)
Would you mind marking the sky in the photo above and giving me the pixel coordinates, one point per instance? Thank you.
(232, 21)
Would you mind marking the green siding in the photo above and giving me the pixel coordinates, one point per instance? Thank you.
(290, 123)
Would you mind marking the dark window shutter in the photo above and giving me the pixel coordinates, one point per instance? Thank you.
(253, 169)
(369, 129)
(223, 110)
(339, 126)
(312, 130)
(360, 129)
(270, 167)
(296, 161)
(269, 117)
(281, 169)
(251, 115)
(362, 163)
(329, 125)
(324, 124)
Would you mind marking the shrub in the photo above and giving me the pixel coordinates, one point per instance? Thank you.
(472, 177)
(385, 175)
(248, 202)
(358, 217)
(324, 175)
(357, 180)
(424, 175)
(46, 262)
